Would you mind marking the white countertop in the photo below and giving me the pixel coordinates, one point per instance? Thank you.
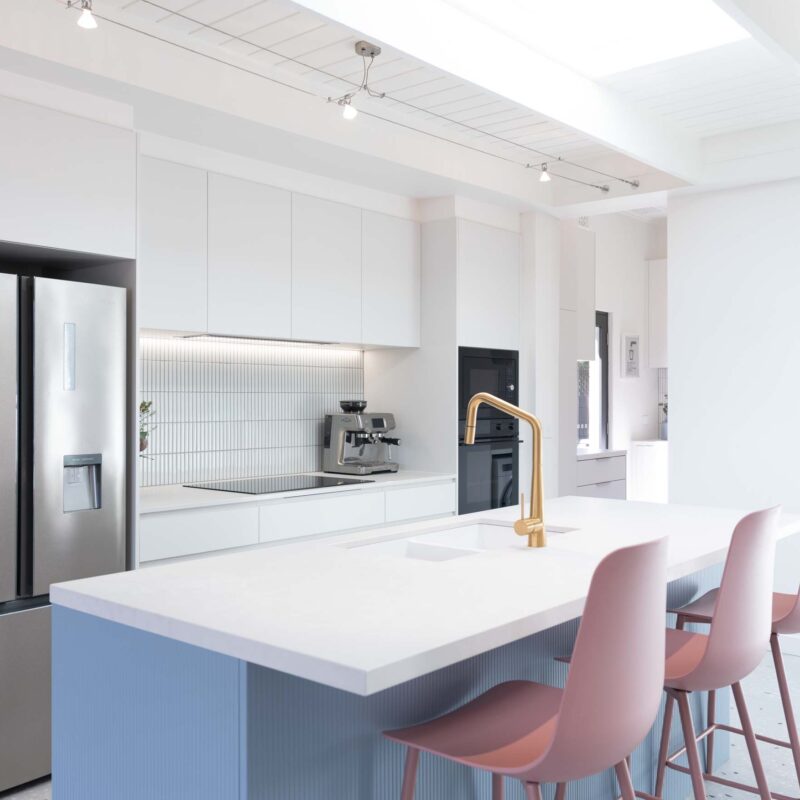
(363, 622)
(175, 497)
(584, 454)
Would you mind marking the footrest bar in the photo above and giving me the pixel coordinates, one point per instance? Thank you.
(729, 783)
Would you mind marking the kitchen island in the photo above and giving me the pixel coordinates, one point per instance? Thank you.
(271, 673)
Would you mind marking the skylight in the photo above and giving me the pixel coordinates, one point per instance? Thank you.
(603, 37)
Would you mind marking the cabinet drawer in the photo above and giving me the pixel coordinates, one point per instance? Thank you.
(600, 470)
(420, 501)
(183, 533)
(324, 514)
(611, 490)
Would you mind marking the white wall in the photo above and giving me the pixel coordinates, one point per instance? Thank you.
(734, 343)
(539, 328)
(624, 245)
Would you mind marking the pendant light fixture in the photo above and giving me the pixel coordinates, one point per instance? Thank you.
(86, 20)
(545, 176)
(367, 52)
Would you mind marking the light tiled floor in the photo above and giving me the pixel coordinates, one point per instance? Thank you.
(765, 708)
(763, 700)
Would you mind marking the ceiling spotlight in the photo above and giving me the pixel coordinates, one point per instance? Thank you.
(349, 111)
(545, 176)
(86, 20)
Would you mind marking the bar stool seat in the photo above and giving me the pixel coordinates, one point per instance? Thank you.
(785, 611)
(508, 727)
(685, 651)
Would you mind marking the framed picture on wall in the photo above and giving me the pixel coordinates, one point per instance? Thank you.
(630, 356)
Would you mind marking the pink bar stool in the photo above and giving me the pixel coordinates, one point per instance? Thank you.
(785, 619)
(736, 643)
(540, 734)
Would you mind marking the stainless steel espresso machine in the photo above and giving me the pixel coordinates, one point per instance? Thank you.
(356, 442)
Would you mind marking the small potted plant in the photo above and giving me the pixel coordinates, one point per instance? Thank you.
(146, 427)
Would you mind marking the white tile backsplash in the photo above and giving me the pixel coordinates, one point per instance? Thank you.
(238, 408)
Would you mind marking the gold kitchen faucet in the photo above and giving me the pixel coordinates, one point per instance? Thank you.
(531, 526)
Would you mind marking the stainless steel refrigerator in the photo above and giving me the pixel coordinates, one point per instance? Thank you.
(62, 483)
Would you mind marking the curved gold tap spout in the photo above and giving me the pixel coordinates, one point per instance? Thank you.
(531, 526)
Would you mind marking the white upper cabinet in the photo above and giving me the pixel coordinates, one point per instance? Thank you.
(488, 286)
(66, 182)
(390, 280)
(657, 322)
(249, 259)
(172, 263)
(578, 270)
(326, 270)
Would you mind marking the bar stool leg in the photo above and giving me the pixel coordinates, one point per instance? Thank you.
(410, 774)
(561, 791)
(663, 751)
(752, 744)
(532, 791)
(625, 782)
(692, 752)
(786, 699)
(712, 717)
(497, 786)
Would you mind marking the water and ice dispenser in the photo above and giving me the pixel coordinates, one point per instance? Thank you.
(82, 482)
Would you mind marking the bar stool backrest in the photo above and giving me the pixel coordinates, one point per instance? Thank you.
(616, 675)
(742, 622)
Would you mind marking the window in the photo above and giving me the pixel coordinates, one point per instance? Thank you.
(593, 391)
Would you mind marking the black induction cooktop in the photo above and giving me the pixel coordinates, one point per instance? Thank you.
(280, 483)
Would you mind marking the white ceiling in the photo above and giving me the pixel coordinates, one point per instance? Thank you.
(267, 33)
(729, 88)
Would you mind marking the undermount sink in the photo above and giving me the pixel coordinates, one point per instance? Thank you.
(455, 541)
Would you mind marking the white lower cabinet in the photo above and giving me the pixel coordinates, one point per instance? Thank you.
(172, 534)
(649, 471)
(199, 530)
(419, 502)
(611, 490)
(603, 475)
(323, 514)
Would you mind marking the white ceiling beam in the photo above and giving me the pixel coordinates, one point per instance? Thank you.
(445, 37)
(773, 23)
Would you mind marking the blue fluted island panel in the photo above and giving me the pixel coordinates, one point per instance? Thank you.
(138, 715)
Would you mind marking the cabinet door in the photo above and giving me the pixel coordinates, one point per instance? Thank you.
(322, 514)
(488, 286)
(66, 182)
(610, 490)
(418, 502)
(657, 328)
(578, 263)
(326, 270)
(172, 276)
(249, 258)
(198, 530)
(390, 280)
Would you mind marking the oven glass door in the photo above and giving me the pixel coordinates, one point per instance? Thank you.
(487, 475)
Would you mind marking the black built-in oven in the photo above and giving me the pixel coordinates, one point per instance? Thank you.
(488, 469)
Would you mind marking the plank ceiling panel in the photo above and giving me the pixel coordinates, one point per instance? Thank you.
(314, 53)
(252, 18)
(735, 87)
